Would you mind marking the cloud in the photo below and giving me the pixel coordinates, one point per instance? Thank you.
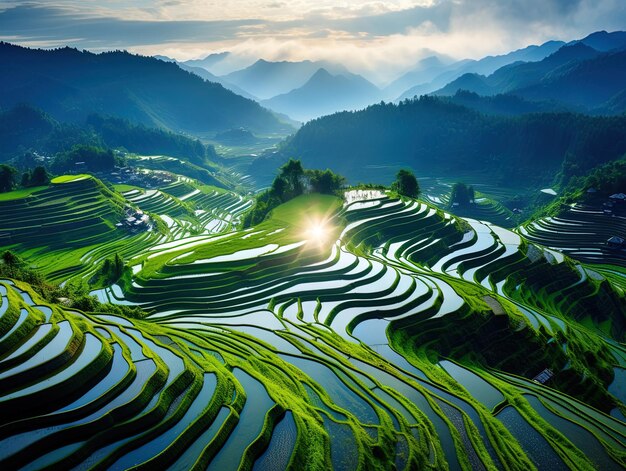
(378, 37)
(41, 23)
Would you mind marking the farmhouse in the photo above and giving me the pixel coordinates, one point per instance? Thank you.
(134, 219)
(544, 376)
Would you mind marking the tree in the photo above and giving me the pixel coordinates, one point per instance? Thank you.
(471, 194)
(325, 181)
(279, 185)
(461, 194)
(25, 179)
(406, 184)
(39, 176)
(293, 174)
(11, 259)
(8, 177)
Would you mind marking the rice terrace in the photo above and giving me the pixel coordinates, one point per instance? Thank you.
(280, 264)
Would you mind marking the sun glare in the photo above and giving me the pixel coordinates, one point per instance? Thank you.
(317, 232)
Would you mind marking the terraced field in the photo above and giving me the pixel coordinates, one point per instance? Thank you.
(581, 232)
(69, 227)
(189, 208)
(483, 208)
(377, 334)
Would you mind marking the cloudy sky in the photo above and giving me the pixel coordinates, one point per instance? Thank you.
(380, 38)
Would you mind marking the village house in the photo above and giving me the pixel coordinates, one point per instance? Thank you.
(134, 220)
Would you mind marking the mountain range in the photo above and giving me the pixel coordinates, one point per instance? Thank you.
(426, 83)
(576, 75)
(202, 72)
(71, 84)
(308, 89)
(586, 75)
(265, 79)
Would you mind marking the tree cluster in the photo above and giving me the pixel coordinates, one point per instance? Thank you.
(292, 181)
(406, 184)
(462, 194)
(35, 177)
(8, 176)
(91, 158)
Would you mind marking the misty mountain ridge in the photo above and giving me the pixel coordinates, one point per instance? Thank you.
(325, 93)
(206, 75)
(265, 79)
(576, 75)
(601, 41)
(209, 61)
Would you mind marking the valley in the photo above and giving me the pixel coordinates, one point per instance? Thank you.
(347, 235)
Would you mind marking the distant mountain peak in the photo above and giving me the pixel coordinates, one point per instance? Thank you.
(321, 73)
(164, 58)
(431, 61)
(575, 51)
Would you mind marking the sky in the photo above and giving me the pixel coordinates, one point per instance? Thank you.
(378, 38)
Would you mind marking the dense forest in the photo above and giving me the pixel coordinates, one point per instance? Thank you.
(432, 135)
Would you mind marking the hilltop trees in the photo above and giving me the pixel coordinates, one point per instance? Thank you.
(292, 174)
(292, 181)
(406, 184)
(37, 177)
(8, 178)
(325, 181)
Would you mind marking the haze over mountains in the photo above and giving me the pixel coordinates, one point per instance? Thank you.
(265, 79)
(310, 89)
(325, 93)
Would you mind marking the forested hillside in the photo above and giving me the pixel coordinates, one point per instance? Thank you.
(432, 135)
(70, 85)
